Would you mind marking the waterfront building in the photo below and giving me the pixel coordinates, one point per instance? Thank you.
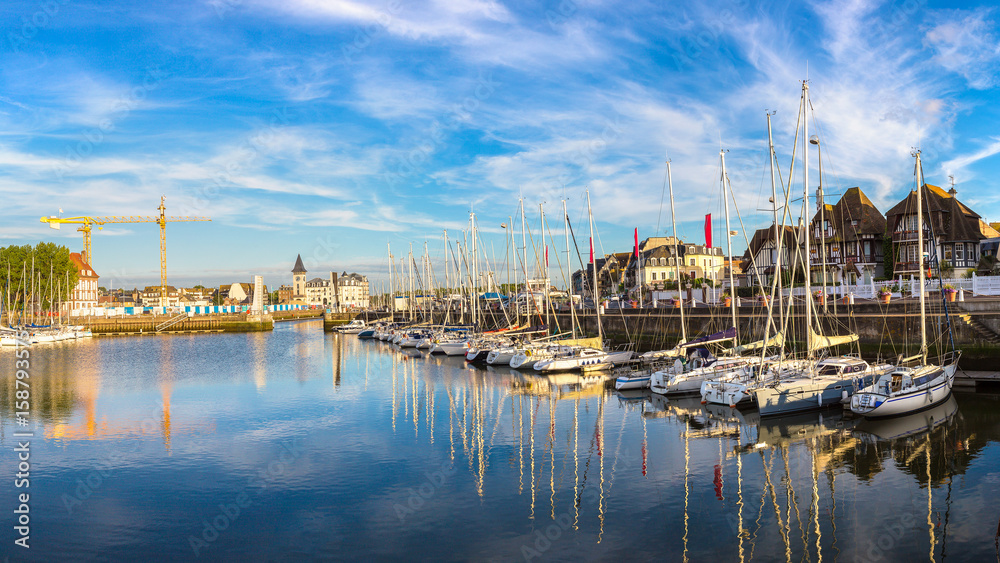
(956, 230)
(761, 255)
(285, 293)
(851, 233)
(352, 290)
(298, 279)
(321, 292)
(702, 262)
(150, 296)
(659, 265)
(84, 294)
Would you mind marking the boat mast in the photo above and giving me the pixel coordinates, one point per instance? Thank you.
(778, 238)
(920, 256)
(447, 280)
(805, 207)
(409, 269)
(597, 293)
(729, 240)
(524, 262)
(475, 271)
(677, 256)
(545, 258)
(569, 290)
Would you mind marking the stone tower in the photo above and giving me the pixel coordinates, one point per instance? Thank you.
(298, 279)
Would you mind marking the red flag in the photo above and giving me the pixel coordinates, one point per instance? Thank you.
(637, 242)
(591, 250)
(546, 256)
(708, 230)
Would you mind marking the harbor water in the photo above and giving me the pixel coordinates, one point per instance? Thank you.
(296, 445)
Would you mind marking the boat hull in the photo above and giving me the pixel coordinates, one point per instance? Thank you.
(632, 382)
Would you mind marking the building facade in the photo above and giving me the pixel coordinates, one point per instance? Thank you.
(846, 240)
(353, 291)
(84, 294)
(298, 279)
(321, 292)
(762, 257)
(954, 229)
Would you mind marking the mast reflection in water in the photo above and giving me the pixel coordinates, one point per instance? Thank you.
(296, 445)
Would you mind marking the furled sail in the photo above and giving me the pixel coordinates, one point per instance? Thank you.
(819, 342)
(774, 342)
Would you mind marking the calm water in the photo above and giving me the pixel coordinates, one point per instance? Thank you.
(296, 445)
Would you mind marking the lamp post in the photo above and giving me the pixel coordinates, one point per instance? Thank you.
(814, 140)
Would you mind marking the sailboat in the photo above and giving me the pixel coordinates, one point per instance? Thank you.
(920, 385)
(688, 378)
(798, 385)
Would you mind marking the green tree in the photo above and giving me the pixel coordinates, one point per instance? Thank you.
(41, 275)
(888, 257)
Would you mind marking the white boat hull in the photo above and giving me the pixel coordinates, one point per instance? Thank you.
(632, 382)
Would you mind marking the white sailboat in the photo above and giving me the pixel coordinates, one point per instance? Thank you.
(908, 389)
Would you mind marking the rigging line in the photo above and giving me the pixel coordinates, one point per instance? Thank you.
(663, 191)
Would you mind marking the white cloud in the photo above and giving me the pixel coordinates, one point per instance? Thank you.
(968, 46)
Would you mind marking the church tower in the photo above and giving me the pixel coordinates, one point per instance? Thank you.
(298, 279)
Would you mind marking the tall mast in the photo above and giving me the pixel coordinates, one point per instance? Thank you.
(524, 262)
(805, 206)
(677, 256)
(475, 271)
(920, 256)
(597, 293)
(427, 285)
(545, 258)
(569, 290)
(447, 280)
(729, 241)
(409, 268)
(778, 237)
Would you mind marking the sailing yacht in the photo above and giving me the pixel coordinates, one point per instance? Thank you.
(800, 384)
(911, 388)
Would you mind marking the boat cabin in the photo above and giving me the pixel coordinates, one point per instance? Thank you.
(841, 366)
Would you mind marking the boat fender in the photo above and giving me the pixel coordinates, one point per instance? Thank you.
(819, 399)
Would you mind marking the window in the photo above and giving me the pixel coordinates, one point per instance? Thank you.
(868, 248)
(960, 252)
(947, 253)
(654, 276)
(692, 261)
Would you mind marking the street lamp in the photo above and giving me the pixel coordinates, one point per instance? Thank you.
(814, 140)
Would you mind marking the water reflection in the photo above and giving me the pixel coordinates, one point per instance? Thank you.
(599, 474)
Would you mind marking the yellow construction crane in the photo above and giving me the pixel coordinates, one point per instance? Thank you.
(86, 223)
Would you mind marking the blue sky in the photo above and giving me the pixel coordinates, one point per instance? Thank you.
(331, 128)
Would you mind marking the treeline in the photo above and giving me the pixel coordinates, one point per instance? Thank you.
(33, 278)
